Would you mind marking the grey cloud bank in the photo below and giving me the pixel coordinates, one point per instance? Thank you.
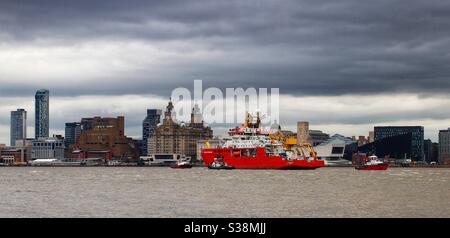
(310, 48)
(303, 47)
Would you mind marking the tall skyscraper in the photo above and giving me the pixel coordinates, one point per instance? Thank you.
(149, 126)
(417, 138)
(72, 133)
(42, 113)
(444, 146)
(18, 125)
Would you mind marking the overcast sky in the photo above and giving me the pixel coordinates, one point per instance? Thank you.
(345, 66)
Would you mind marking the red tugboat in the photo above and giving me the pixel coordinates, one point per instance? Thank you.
(250, 147)
(372, 163)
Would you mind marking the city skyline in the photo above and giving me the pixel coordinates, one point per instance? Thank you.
(348, 71)
(121, 108)
(210, 109)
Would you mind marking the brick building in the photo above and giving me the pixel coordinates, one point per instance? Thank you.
(106, 135)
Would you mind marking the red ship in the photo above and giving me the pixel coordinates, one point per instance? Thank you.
(372, 163)
(249, 147)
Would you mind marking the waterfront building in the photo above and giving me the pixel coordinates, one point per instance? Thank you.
(18, 126)
(313, 137)
(444, 146)
(417, 138)
(18, 154)
(7, 159)
(173, 138)
(149, 125)
(428, 150)
(141, 145)
(435, 152)
(362, 140)
(107, 137)
(47, 148)
(371, 137)
(333, 150)
(25, 146)
(394, 147)
(72, 133)
(317, 137)
(90, 155)
(42, 123)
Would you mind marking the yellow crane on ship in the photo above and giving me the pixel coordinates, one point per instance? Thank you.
(306, 150)
(290, 143)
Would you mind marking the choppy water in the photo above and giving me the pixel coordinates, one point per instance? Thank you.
(199, 192)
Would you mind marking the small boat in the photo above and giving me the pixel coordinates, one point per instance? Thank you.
(182, 165)
(219, 164)
(372, 163)
(219, 167)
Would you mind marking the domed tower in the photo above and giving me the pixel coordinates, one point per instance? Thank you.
(196, 116)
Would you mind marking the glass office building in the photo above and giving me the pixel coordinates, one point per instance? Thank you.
(72, 133)
(417, 138)
(149, 126)
(18, 126)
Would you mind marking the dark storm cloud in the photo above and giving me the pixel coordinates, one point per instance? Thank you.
(302, 47)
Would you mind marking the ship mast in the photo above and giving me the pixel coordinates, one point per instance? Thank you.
(249, 121)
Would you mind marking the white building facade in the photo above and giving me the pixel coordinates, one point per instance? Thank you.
(47, 148)
(332, 150)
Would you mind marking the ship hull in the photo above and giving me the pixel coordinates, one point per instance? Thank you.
(184, 166)
(259, 161)
(372, 167)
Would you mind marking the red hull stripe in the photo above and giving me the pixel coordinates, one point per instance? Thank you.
(259, 161)
(373, 167)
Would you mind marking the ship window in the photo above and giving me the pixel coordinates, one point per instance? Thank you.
(249, 153)
(236, 153)
(337, 150)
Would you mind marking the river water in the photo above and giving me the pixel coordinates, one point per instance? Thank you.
(199, 192)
